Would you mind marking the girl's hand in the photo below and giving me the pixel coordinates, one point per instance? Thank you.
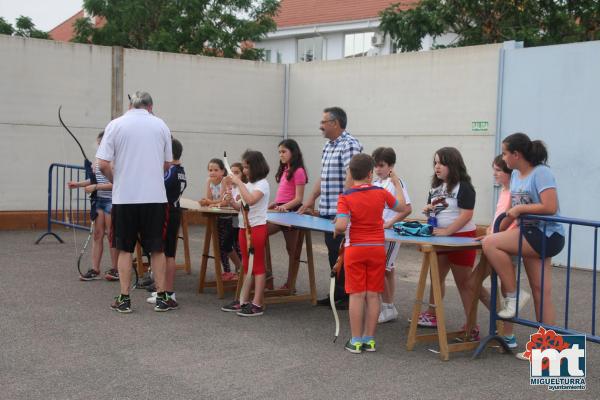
(90, 188)
(281, 209)
(72, 184)
(204, 202)
(427, 209)
(272, 206)
(441, 232)
(388, 225)
(514, 212)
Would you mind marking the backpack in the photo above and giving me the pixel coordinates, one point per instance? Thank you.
(413, 228)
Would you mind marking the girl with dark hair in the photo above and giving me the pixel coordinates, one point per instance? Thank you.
(452, 199)
(215, 190)
(292, 178)
(256, 194)
(533, 191)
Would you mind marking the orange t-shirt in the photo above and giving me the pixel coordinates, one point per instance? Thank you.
(364, 206)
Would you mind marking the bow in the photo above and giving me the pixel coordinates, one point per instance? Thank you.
(87, 165)
(335, 271)
(245, 210)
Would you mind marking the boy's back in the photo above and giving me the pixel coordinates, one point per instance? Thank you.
(364, 206)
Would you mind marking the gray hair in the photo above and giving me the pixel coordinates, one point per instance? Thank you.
(141, 100)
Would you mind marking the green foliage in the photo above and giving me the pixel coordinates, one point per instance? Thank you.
(206, 27)
(24, 27)
(535, 22)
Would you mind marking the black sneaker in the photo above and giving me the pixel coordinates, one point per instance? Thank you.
(121, 304)
(91, 275)
(251, 310)
(165, 304)
(234, 306)
(356, 348)
(112, 275)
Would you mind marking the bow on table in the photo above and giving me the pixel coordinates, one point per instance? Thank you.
(245, 210)
(335, 272)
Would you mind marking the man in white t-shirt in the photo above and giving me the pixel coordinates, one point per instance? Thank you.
(139, 146)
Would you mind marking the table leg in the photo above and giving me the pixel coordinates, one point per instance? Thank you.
(439, 305)
(205, 253)
(217, 258)
(412, 333)
(311, 268)
(186, 243)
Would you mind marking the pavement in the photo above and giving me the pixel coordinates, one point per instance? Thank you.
(60, 340)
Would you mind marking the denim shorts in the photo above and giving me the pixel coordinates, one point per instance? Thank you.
(104, 204)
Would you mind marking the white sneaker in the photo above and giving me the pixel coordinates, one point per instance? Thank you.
(152, 298)
(388, 314)
(524, 298)
(509, 308)
(521, 356)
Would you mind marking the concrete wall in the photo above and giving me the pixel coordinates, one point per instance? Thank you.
(551, 93)
(36, 77)
(413, 102)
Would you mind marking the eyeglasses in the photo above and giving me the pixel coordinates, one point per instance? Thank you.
(327, 120)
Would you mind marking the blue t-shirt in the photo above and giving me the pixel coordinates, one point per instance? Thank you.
(527, 191)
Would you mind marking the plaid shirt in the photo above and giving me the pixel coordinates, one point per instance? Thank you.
(334, 162)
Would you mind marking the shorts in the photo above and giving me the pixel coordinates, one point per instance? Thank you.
(146, 221)
(259, 238)
(391, 253)
(461, 258)
(365, 268)
(104, 204)
(172, 231)
(536, 238)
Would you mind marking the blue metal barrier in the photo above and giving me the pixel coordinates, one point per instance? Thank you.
(66, 207)
(535, 324)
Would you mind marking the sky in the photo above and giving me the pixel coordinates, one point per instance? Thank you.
(46, 14)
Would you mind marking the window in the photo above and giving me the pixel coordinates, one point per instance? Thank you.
(268, 55)
(358, 44)
(310, 49)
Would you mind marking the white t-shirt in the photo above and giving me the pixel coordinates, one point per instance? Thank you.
(258, 212)
(138, 144)
(387, 184)
(448, 205)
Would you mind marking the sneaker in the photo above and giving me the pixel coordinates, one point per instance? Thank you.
(427, 320)
(473, 336)
(369, 346)
(355, 348)
(511, 341)
(152, 298)
(112, 275)
(388, 314)
(91, 275)
(121, 304)
(521, 356)
(251, 310)
(234, 306)
(165, 303)
(509, 308)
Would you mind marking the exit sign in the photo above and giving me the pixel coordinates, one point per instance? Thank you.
(479, 126)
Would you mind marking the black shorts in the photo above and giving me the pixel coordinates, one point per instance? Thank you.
(172, 231)
(147, 221)
(536, 238)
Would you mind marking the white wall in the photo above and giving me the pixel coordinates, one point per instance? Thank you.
(36, 77)
(413, 102)
(551, 93)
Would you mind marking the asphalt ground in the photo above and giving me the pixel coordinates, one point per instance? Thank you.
(60, 340)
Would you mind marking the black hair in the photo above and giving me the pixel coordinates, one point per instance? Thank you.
(219, 162)
(241, 168)
(257, 165)
(296, 161)
(457, 171)
(360, 166)
(100, 135)
(500, 163)
(534, 151)
(337, 114)
(384, 154)
(177, 149)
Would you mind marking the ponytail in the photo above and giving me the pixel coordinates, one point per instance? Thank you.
(534, 152)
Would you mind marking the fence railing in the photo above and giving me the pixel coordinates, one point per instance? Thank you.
(66, 207)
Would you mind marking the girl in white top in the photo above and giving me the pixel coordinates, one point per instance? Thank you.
(255, 194)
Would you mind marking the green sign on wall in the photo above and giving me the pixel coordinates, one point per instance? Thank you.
(479, 126)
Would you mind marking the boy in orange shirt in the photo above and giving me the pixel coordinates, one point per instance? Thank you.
(359, 216)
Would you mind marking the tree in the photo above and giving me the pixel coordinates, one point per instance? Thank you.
(206, 27)
(535, 22)
(25, 28)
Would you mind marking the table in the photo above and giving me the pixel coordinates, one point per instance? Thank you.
(429, 246)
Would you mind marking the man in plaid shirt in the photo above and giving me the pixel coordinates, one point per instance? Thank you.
(338, 151)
